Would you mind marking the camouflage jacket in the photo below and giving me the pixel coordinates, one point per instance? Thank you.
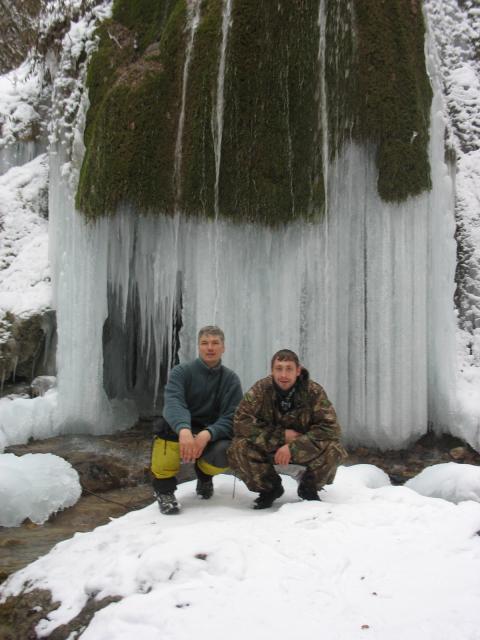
(258, 417)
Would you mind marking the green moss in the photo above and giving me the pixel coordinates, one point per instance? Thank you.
(198, 155)
(131, 125)
(269, 149)
(144, 18)
(271, 171)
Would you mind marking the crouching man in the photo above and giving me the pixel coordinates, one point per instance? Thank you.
(200, 400)
(285, 418)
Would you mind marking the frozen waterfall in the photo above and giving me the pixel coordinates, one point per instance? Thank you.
(360, 324)
(365, 295)
(362, 298)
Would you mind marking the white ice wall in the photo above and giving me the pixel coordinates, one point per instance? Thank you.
(349, 294)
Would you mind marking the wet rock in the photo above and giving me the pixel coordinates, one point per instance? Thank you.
(26, 345)
(403, 464)
(41, 384)
(17, 390)
(458, 453)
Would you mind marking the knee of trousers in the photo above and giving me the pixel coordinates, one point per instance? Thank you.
(242, 452)
(210, 469)
(237, 451)
(214, 458)
(165, 458)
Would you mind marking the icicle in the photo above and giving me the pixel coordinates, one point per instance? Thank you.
(446, 413)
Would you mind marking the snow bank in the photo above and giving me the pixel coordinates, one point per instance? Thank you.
(363, 563)
(367, 475)
(35, 486)
(451, 481)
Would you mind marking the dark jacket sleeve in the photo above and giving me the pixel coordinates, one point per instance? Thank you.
(231, 396)
(250, 421)
(324, 424)
(175, 410)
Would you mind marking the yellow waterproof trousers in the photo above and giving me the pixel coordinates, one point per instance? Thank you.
(166, 460)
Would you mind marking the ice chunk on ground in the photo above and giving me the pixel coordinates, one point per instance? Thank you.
(35, 486)
(25, 418)
(451, 481)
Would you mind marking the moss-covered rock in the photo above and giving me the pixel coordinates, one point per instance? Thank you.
(377, 93)
(383, 96)
(134, 84)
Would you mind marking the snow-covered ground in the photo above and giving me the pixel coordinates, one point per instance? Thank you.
(369, 561)
(34, 486)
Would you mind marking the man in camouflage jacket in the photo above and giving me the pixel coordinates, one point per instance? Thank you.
(285, 418)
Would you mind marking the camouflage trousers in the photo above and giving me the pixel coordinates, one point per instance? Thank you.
(255, 466)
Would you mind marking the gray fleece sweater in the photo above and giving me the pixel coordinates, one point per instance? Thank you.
(190, 395)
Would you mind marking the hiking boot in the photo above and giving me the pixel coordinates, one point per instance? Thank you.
(307, 492)
(267, 498)
(167, 503)
(204, 483)
(205, 488)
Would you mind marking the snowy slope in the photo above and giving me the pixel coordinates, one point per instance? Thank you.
(383, 563)
(24, 268)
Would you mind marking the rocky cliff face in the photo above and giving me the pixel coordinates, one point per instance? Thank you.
(18, 31)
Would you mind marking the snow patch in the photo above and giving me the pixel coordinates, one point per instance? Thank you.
(450, 481)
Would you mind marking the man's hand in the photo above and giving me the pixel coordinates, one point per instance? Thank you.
(291, 435)
(283, 455)
(187, 445)
(201, 441)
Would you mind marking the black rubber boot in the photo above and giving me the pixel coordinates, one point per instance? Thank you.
(204, 484)
(307, 489)
(267, 498)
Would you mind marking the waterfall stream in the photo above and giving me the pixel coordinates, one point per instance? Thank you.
(193, 20)
(217, 131)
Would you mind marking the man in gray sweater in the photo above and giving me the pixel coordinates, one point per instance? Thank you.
(200, 401)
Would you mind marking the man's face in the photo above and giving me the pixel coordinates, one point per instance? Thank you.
(210, 349)
(285, 373)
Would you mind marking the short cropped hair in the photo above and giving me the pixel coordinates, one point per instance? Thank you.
(286, 354)
(211, 330)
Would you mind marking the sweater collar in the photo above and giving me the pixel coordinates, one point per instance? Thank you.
(205, 367)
